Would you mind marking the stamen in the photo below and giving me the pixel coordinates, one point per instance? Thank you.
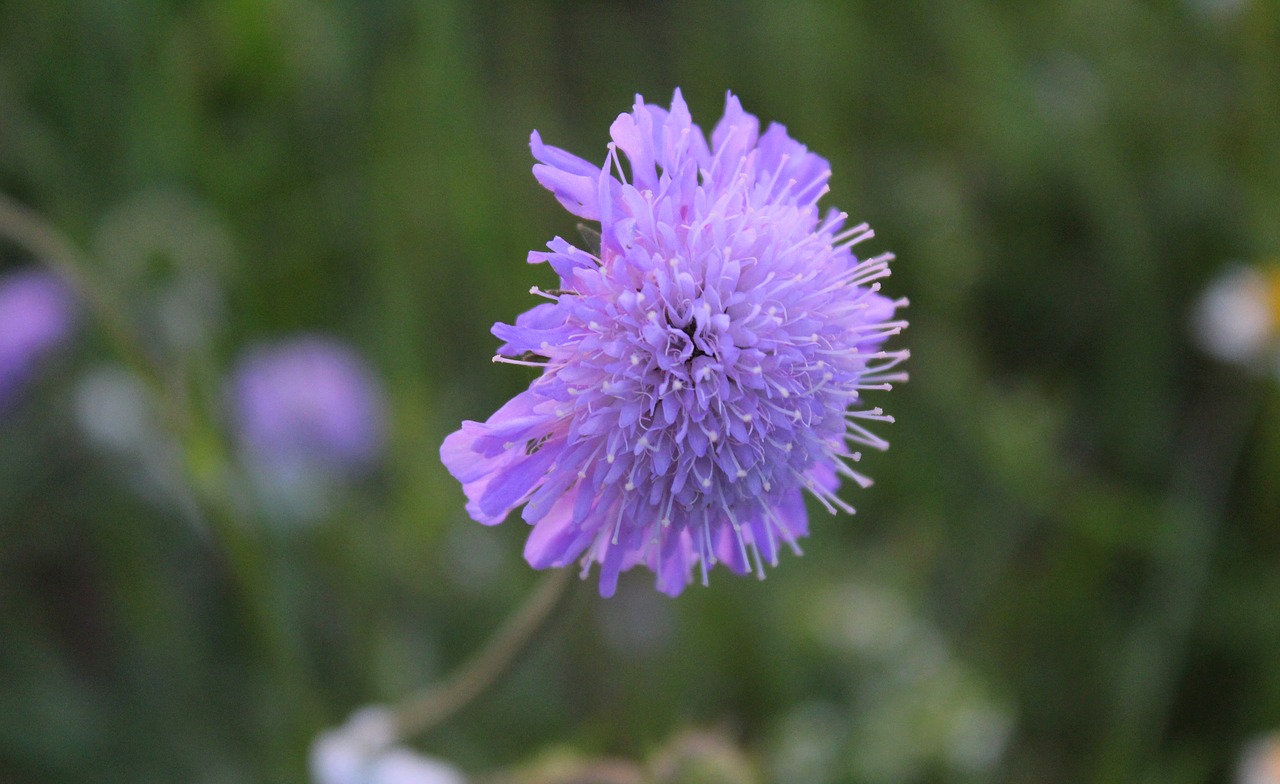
(525, 362)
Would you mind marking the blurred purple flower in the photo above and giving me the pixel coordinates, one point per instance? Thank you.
(700, 369)
(37, 315)
(308, 404)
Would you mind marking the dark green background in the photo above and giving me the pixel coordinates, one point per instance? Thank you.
(1073, 536)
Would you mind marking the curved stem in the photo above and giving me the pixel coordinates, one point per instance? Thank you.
(247, 562)
(419, 714)
(25, 228)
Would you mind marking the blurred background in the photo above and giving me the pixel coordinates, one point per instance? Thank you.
(1068, 567)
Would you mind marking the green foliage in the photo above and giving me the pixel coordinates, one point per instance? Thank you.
(1069, 567)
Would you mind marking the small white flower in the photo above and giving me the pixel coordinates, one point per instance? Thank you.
(361, 752)
(1236, 319)
(401, 766)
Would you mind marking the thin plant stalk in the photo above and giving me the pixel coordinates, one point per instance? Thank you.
(1156, 652)
(26, 229)
(419, 714)
(207, 476)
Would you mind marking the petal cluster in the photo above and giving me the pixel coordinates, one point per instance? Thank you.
(700, 370)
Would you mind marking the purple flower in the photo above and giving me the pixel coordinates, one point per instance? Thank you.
(37, 314)
(307, 405)
(700, 369)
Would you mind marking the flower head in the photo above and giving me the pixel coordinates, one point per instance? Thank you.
(308, 404)
(700, 370)
(37, 314)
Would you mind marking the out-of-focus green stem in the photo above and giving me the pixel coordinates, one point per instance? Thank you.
(1153, 660)
(204, 462)
(418, 714)
(50, 247)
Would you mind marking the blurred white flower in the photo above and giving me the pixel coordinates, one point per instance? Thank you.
(401, 766)
(169, 252)
(115, 409)
(119, 415)
(916, 705)
(361, 752)
(1237, 319)
(1260, 762)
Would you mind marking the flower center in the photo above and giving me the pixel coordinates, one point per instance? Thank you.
(690, 330)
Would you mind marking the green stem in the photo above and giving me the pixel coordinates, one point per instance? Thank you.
(204, 465)
(1155, 655)
(418, 714)
(50, 247)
